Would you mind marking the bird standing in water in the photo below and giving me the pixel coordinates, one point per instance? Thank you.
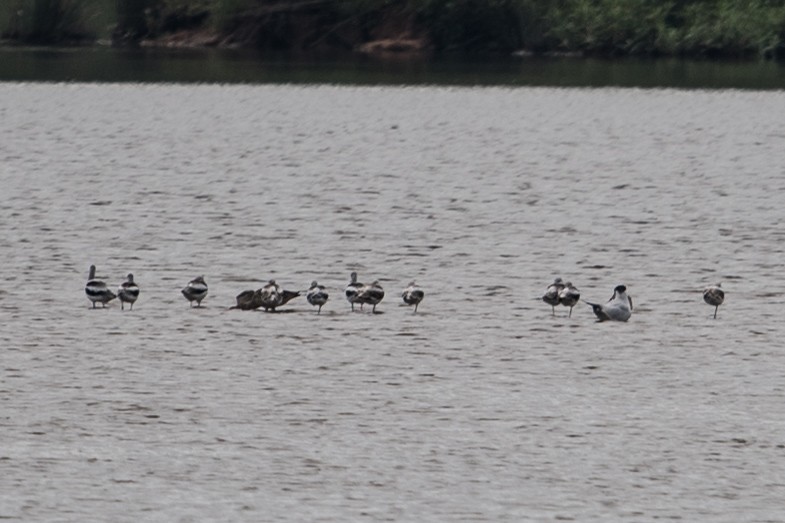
(714, 295)
(551, 296)
(371, 294)
(353, 289)
(317, 296)
(97, 291)
(413, 295)
(128, 292)
(569, 296)
(195, 291)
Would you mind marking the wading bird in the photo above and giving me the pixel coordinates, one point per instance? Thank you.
(714, 295)
(195, 291)
(97, 291)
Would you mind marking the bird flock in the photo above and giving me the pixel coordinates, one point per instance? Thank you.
(619, 307)
(269, 297)
(272, 295)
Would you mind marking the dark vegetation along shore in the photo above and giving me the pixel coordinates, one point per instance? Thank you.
(688, 28)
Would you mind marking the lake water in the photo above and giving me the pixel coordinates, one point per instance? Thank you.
(100, 64)
(480, 407)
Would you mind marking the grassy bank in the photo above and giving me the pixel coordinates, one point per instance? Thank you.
(712, 28)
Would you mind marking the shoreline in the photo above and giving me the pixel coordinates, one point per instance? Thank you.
(410, 29)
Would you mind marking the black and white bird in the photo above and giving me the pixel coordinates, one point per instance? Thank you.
(371, 294)
(569, 296)
(353, 289)
(272, 296)
(195, 291)
(317, 296)
(128, 292)
(551, 296)
(714, 295)
(413, 295)
(618, 308)
(97, 291)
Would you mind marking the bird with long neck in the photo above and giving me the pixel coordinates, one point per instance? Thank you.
(97, 291)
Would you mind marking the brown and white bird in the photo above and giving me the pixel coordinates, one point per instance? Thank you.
(714, 295)
(248, 300)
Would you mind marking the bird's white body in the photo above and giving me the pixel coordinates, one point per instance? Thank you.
(618, 308)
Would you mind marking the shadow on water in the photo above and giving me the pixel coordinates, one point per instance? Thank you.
(97, 64)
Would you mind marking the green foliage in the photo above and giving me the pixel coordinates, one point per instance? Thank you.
(132, 18)
(603, 27)
(481, 25)
(52, 21)
(226, 12)
(687, 27)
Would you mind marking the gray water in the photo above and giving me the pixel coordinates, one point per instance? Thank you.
(480, 407)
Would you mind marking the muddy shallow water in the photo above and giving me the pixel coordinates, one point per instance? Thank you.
(482, 406)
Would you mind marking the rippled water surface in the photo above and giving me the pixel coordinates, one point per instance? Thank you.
(482, 406)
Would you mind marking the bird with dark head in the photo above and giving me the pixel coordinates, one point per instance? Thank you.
(618, 308)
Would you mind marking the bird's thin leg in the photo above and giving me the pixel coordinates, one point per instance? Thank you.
(715, 311)
(570, 316)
